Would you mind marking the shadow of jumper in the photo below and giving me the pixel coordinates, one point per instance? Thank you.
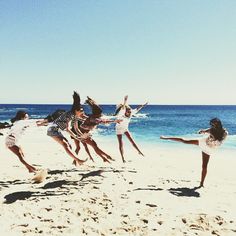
(185, 192)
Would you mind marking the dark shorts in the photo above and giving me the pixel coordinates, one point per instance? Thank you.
(54, 131)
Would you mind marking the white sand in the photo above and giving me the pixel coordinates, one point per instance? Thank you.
(151, 195)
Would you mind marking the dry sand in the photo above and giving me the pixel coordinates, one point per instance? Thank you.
(151, 195)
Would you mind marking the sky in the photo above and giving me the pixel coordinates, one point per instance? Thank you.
(160, 51)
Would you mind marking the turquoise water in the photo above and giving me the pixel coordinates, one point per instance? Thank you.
(151, 122)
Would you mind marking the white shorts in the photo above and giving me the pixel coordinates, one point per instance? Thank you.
(121, 130)
(10, 141)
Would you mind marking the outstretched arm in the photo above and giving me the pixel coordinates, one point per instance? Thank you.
(141, 106)
(43, 122)
(110, 121)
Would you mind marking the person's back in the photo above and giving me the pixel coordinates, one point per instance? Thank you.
(55, 115)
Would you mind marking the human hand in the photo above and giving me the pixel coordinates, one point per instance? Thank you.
(85, 136)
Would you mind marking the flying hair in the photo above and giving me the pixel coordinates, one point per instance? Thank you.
(76, 102)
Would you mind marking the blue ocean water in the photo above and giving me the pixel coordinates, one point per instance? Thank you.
(151, 122)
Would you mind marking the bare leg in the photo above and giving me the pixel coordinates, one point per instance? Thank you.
(119, 137)
(133, 143)
(87, 150)
(65, 145)
(102, 154)
(194, 141)
(68, 143)
(205, 160)
(77, 144)
(105, 154)
(18, 151)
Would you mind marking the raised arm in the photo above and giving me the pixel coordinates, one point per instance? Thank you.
(141, 106)
(125, 101)
(121, 106)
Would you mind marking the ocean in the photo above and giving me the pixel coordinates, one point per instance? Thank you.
(151, 122)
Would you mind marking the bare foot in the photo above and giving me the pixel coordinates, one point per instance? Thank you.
(163, 137)
(106, 160)
(78, 162)
(110, 158)
(31, 169)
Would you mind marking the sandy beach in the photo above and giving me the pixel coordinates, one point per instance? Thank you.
(152, 195)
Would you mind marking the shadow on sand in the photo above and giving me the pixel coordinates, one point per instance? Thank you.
(148, 189)
(185, 192)
(24, 195)
(63, 185)
(9, 183)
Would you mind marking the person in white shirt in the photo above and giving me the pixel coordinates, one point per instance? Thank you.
(125, 113)
(20, 123)
(216, 135)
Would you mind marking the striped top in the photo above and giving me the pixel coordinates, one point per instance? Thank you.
(63, 119)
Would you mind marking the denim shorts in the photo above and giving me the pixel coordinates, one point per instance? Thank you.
(53, 131)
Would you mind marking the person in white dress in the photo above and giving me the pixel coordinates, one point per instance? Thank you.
(124, 113)
(216, 135)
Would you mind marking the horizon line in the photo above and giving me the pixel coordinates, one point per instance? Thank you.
(151, 104)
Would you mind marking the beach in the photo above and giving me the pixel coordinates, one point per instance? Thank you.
(152, 195)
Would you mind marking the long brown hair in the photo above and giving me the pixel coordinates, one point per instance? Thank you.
(217, 130)
(76, 103)
(19, 116)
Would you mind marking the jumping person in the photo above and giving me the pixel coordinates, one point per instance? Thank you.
(217, 135)
(125, 113)
(63, 123)
(88, 125)
(20, 123)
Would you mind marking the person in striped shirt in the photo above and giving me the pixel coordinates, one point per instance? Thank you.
(63, 123)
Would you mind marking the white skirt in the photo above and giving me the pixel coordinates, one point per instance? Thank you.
(206, 148)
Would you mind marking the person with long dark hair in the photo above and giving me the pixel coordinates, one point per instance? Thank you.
(20, 123)
(63, 123)
(90, 123)
(216, 135)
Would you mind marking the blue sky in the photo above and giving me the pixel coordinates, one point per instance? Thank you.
(163, 52)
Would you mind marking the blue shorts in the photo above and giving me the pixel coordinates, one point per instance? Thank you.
(54, 131)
